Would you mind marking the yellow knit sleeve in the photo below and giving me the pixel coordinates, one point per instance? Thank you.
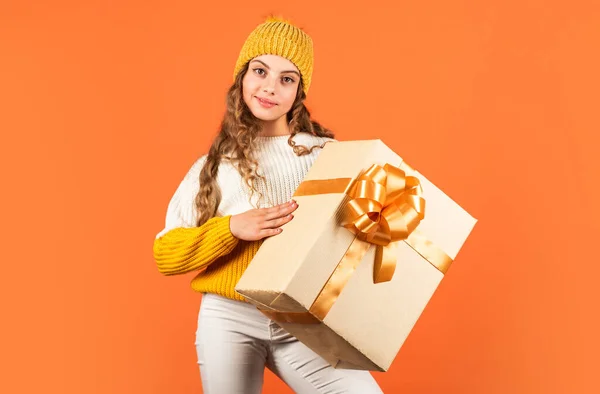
(183, 249)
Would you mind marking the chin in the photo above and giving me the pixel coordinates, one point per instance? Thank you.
(266, 117)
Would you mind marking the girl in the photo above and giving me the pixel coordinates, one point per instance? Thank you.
(232, 199)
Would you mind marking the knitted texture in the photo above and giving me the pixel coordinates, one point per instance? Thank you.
(280, 37)
(190, 249)
(218, 258)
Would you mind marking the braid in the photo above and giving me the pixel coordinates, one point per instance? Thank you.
(299, 120)
(209, 195)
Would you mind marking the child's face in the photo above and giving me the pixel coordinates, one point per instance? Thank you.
(275, 79)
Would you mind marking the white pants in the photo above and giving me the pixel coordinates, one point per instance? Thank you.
(235, 342)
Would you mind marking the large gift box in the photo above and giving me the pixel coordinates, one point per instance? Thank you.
(369, 243)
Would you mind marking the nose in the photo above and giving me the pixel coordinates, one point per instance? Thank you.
(269, 86)
(269, 89)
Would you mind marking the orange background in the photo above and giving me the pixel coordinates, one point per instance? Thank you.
(104, 107)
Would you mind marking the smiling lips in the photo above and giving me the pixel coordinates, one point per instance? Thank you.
(265, 103)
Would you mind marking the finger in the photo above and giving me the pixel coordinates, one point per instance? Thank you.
(280, 210)
(277, 222)
(279, 207)
(268, 232)
(272, 220)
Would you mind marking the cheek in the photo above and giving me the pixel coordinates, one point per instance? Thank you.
(288, 99)
(248, 88)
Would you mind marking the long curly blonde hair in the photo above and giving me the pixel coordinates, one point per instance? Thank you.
(237, 140)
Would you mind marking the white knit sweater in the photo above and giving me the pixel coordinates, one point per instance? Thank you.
(282, 168)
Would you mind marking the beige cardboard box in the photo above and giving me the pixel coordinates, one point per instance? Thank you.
(368, 322)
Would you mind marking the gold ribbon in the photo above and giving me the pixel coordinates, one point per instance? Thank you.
(385, 207)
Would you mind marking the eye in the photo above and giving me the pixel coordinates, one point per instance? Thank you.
(256, 70)
(288, 79)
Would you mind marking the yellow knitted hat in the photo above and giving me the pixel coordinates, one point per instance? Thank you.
(278, 36)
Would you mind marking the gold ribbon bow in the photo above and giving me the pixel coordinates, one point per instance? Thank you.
(385, 207)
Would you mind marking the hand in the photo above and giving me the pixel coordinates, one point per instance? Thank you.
(260, 223)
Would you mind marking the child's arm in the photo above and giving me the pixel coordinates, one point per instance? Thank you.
(182, 247)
